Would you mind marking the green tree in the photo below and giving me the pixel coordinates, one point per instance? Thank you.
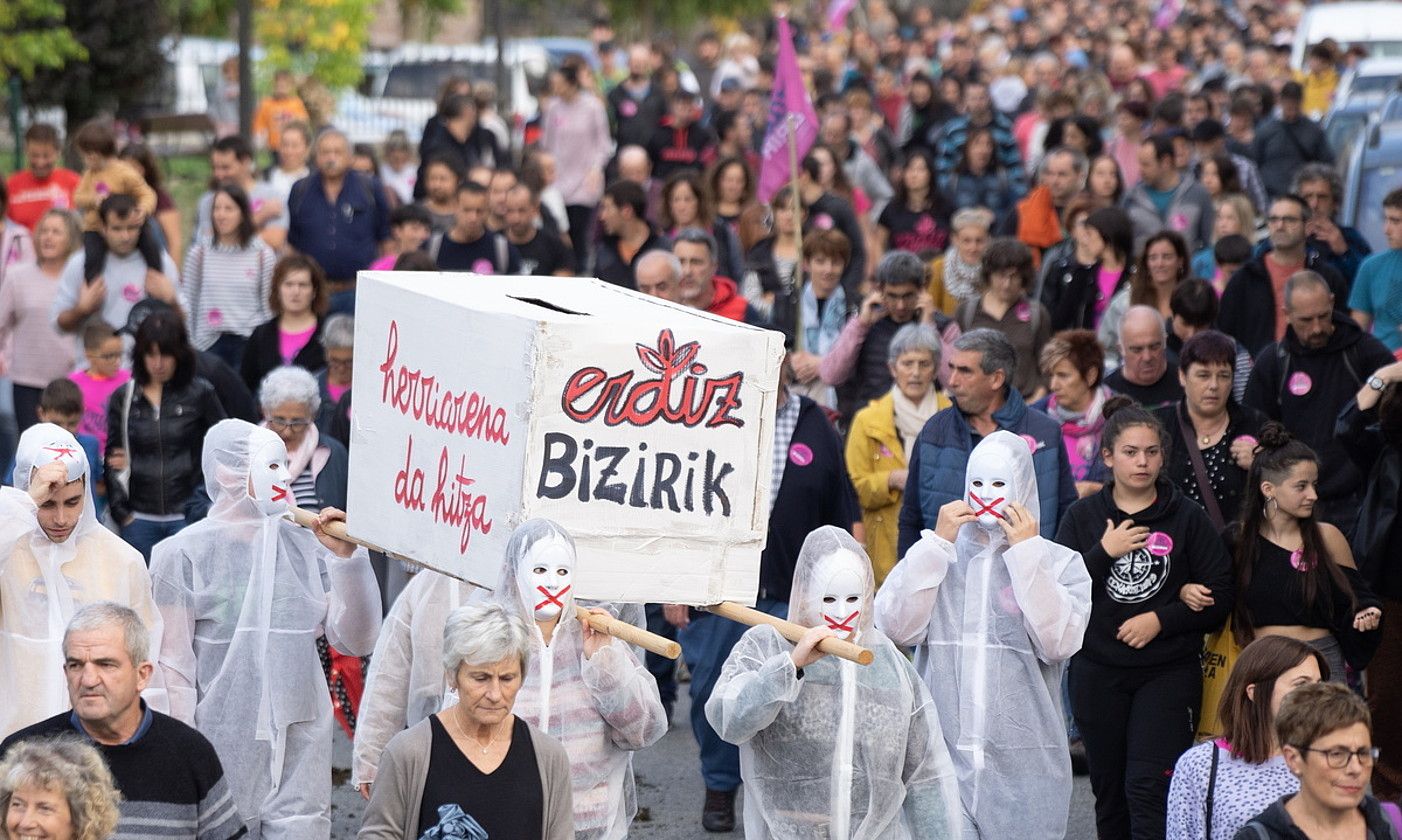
(676, 15)
(209, 18)
(32, 36)
(419, 18)
(124, 60)
(322, 39)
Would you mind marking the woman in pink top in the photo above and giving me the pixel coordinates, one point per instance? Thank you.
(576, 132)
(39, 354)
(293, 337)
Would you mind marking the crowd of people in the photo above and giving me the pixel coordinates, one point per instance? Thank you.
(1089, 429)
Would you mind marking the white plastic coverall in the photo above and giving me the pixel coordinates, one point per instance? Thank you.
(846, 752)
(244, 594)
(42, 583)
(991, 625)
(601, 708)
(407, 682)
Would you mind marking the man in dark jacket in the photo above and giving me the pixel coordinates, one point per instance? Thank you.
(984, 401)
(627, 234)
(1251, 309)
(455, 134)
(1306, 379)
(1285, 143)
(680, 144)
(636, 106)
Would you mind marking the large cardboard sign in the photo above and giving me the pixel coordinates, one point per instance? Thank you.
(643, 427)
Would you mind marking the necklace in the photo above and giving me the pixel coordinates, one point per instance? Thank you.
(1205, 439)
(453, 718)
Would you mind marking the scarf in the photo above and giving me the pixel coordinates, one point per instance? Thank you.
(819, 335)
(1081, 430)
(960, 278)
(298, 459)
(910, 417)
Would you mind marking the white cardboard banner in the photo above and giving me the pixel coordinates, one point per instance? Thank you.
(644, 428)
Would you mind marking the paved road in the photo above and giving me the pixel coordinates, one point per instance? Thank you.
(669, 791)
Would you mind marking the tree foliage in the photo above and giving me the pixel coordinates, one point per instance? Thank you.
(675, 15)
(208, 18)
(32, 36)
(322, 39)
(124, 60)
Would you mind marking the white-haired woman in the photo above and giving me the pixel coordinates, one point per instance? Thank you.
(58, 789)
(290, 398)
(338, 345)
(475, 769)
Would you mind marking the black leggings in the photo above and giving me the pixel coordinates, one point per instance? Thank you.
(1134, 722)
(95, 251)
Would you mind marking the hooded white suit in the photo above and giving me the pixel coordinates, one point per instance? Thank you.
(244, 594)
(42, 583)
(846, 752)
(992, 625)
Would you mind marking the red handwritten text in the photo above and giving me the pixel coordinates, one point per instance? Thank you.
(414, 394)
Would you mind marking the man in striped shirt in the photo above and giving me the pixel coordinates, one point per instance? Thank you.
(170, 778)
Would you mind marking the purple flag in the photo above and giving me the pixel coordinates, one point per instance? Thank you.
(837, 13)
(790, 108)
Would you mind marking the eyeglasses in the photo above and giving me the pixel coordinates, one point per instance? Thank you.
(339, 363)
(1338, 757)
(284, 423)
(1284, 220)
(107, 357)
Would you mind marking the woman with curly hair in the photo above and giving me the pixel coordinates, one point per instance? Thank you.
(58, 788)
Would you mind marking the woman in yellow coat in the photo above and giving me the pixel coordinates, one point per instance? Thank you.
(883, 433)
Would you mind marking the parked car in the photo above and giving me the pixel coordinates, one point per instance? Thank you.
(1374, 170)
(1373, 24)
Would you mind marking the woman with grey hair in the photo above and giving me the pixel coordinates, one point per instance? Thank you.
(475, 770)
(289, 398)
(883, 433)
(56, 788)
(954, 275)
(334, 380)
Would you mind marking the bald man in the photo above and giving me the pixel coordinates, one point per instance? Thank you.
(1145, 375)
(659, 273)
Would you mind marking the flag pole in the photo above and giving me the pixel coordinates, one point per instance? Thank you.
(796, 205)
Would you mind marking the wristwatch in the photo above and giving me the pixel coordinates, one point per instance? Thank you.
(1376, 383)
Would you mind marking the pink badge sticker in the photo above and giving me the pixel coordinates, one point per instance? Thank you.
(1007, 601)
(628, 108)
(483, 267)
(823, 221)
(1030, 441)
(1300, 383)
(1298, 561)
(1023, 311)
(1178, 222)
(131, 292)
(215, 317)
(800, 455)
(1249, 440)
(102, 188)
(885, 452)
(1159, 544)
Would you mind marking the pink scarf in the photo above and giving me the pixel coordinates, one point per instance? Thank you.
(298, 459)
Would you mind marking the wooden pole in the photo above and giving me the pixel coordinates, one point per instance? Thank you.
(797, 208)
(792, 632)
(614, 627)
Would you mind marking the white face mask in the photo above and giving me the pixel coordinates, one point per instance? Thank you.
(840, 590)
(546, 576)
(72, 457)
(989, 484)
(269, 483)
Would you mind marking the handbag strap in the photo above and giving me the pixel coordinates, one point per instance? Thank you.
(1209, 498)
(1211, 789)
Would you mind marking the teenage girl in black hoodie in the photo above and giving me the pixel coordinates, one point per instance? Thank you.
(1136, 684)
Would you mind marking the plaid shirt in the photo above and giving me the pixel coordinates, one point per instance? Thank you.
(784, 425)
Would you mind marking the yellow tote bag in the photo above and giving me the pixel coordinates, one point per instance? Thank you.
(1218, 658)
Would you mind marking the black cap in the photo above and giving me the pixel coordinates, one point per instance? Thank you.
(1208, 130)
(1292, 91)
(140, 311)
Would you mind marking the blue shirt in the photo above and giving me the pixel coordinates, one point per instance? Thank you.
(343, 237)
(1377, 290)
(146, 718)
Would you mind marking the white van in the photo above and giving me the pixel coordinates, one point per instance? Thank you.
(1374, 24)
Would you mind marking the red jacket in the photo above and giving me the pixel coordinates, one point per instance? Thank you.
(728, 302)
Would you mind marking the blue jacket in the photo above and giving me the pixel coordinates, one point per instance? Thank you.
(941, 455)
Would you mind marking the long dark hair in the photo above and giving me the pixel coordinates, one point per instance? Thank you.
(1276, 455)
(245, 231)
(163, 331)
(936, 204)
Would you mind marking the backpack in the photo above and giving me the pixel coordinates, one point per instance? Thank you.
(1283, 360)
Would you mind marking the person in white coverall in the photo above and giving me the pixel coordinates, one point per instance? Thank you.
(830, 748)
(244, 594)
(586, 689)
(993, 611)
(55, 558)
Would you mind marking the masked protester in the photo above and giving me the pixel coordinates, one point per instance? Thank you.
(585, 688)
(867, 739)
(993, 610)
(55, 558)
(244, 594)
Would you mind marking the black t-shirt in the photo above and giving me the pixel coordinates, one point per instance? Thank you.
(544, 255)
(508, 803)
(1166, 391)
(483, 256)
(923, 233)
